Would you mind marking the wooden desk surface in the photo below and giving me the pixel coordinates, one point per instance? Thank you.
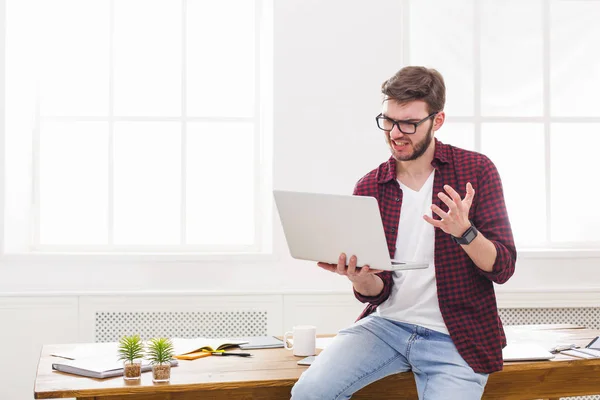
(270, 374)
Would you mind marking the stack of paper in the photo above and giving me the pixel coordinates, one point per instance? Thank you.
(97, 367)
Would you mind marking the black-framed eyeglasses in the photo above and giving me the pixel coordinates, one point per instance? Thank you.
(387, 124)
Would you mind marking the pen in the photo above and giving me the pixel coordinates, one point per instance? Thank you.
(591, 344)
(222, 353)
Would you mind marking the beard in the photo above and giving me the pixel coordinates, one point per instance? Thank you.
(419, 148)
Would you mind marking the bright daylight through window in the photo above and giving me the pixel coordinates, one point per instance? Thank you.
(524, 93)
(136, 126)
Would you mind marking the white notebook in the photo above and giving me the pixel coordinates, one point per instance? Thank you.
(97, 367)
(525, 352)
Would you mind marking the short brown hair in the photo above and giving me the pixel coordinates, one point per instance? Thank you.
(416, 83)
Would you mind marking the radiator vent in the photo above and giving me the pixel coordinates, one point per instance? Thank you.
(585, 316)
(111, 326)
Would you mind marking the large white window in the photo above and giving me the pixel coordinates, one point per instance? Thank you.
(137, 126)
(522, 80)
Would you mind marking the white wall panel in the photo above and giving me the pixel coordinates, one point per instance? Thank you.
(27, 324)
(328, 312)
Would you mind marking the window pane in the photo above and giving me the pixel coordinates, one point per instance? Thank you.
(441, 37)
(220, 58)
(147, 57)
(74, 183)
(220, 183)
(574, 58)
(19, 115)
(574, 149)
(508, 88)
(147, 183)
(522, 170)
(73, 63)
(457, 134)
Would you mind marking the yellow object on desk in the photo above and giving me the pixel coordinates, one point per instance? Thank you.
(193, 356)
(191, 349)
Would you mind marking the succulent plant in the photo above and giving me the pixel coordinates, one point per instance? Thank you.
(130, 348)
(159, 350)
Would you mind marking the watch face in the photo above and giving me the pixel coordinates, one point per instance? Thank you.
(470, 235)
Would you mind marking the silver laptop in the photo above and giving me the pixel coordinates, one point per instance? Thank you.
(319, 227)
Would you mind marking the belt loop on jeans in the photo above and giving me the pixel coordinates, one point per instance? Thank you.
(424, 332)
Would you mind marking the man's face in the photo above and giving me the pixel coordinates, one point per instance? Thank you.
(408, 147)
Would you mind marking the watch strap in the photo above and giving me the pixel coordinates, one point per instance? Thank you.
(467, 237)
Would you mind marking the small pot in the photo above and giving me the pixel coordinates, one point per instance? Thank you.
(161, 372)
(132, 370)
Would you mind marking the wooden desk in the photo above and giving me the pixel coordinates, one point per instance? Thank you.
(270, 374)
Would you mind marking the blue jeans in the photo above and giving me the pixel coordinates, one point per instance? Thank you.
(376, 347)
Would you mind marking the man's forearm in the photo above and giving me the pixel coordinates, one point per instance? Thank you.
(369, 287)
(482, 252)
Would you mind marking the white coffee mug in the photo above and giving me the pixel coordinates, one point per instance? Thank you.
(304, 340)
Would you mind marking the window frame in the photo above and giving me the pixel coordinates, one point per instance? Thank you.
(547, 248)
(262, 166)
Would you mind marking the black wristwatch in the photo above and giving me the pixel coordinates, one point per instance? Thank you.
(467, 237)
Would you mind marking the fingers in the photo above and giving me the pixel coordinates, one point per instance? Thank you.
(366, 270)
(470, 195)
(328, 267)
(454, 195)
(434, 222)
(352, 271)
(439, 211)
(454, 202)
(448, 201)
(341, 265)
(470, 190)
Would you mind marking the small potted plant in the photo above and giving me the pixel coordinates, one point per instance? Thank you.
(160, 353)
(131, 351)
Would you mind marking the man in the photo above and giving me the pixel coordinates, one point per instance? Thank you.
(442, 205)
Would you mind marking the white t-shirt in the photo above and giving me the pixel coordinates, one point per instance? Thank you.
(414, 297)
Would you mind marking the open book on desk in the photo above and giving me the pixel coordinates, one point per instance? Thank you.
(191, 349)
(97, 367)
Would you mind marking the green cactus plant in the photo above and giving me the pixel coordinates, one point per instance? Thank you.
(160, 352)
(130, 348)
(131, 351)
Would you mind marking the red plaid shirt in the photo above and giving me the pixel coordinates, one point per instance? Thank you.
(465, 292)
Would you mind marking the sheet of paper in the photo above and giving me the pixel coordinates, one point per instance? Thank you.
(545, 338)
(98, 350)
(578, 354)
(589, 352)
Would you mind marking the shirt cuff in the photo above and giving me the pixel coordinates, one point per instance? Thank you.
(503, 267)
(381, 297)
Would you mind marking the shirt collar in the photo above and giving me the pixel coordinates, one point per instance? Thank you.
(387, 171)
